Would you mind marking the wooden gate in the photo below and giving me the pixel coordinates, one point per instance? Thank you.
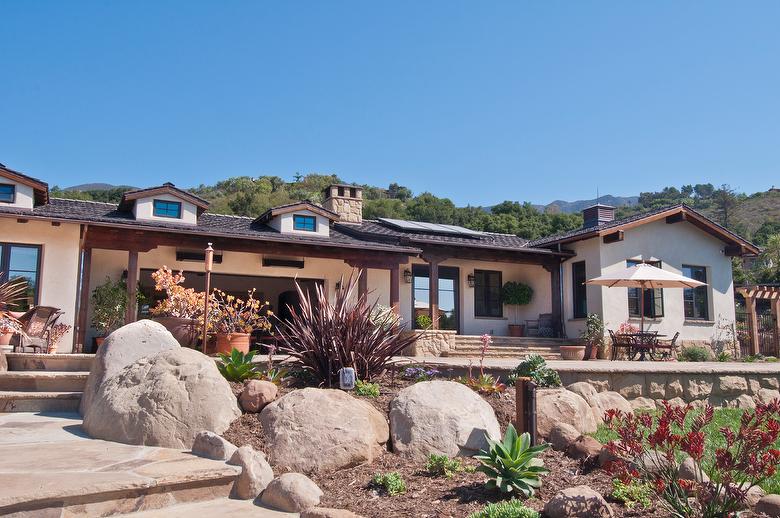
(766, 334)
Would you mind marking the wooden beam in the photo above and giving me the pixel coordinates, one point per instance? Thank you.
(132, 286)
(433, 292)
(81, 322)
(676, 218)
(776, 313)
(750, 306)
(614, 237)
(363, 284)
(557, 300)
(395, 288)
(733, 250)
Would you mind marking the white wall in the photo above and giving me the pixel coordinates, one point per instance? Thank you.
(144, 209)
(589, 252)
(674, 245)
(24, 198)
(58, 283)
(284, 223)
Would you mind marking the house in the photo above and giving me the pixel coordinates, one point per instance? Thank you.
(67, 247)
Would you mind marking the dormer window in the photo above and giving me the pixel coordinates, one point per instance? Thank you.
(305, 223)
(167, 209)
(7, 193)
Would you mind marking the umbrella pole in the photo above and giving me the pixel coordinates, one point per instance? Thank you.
(642, 308)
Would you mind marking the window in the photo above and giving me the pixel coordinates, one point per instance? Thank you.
(654, 299)
(487, 294)
(7, 193)
(167, 209)
(579, 292)
(21, 261)
(306, 223)
(695, 301)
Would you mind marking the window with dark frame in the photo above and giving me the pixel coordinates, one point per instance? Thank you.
(654, 299)
(487, 294)
(579, 290)
(696, 300)
(167, 209)
(306, 223)
(22, 261)
(7, 193)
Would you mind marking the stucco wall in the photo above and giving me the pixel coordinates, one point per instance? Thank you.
(144, 209)
(284, 223)
(59, 274)
(24, 198)
(589, 252)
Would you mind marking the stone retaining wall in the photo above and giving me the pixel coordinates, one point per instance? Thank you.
(432, 343)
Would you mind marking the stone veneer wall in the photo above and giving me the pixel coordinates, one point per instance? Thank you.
(432, 343)
(687, 385)
(350, 210)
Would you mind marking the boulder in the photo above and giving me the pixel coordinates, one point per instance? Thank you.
(162, 400)
(292, 493)
(562, 406)
(642, 404)
(257, 394)
(612, 400)
(578, 502)
(441, 417)
(328, 512)
(769, 505)
(322, 429)
(689, 470)
(606, 456)
(255, 475)
(584, 448)
(653, 462)
(591, 396)
(731, 385)
(743, 401)
(121, 348)
(767, 395)
(562, 436)
(212, 446)
(754, 496)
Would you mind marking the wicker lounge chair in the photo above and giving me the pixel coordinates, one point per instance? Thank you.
(37, 323)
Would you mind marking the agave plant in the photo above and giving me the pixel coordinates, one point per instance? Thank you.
(237, 366)
(322, 337)
(513, 464)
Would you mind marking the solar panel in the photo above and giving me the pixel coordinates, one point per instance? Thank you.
(434, 228)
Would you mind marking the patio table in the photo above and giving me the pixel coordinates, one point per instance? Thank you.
(644, 343)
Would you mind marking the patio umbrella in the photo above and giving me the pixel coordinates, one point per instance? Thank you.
(644, 276)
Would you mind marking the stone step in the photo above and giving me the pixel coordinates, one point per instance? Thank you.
(45, 381)
(504, 341)
(223, 507)
(507, 349)
(49, 362)
(26, 401)
(546, 354)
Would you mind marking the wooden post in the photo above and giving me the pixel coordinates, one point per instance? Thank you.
(86, 270)
(525, 407)
(750, 306)
(363, 283)
(433, 293)
(132, 286)
(556, 296)
(209, 263)
(395, 288)
(776, 313)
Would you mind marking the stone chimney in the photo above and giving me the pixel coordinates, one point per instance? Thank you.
(346, 201)
(597, 214)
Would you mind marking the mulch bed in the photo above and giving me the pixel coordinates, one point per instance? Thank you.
(426, 496)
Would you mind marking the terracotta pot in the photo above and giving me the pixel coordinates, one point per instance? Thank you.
(99, 341)
(185, 330)
(5, 338)
(227, 342)
(516, 330)
(572, 352)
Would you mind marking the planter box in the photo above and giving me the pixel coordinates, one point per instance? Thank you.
(572, 352)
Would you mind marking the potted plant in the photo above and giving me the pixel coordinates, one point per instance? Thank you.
(11, 293)
(109, 304)
(516, 294)
(57, 332)
(593, 335)
(233, 319)
(182, 308)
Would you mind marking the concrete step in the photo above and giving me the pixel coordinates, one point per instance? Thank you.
(27, 401)
(45, 381)
(223, 507)
(49, 362)
(507, 349)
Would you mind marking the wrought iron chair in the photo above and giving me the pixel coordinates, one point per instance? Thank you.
(667, 348)
(619, 342)
(36, 323)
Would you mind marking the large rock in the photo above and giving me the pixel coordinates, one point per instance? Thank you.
(212, 446)
(769, 505)
(292, 493)
(612, 400)
(578, 502)
(257, 394)
(642, 404)
(690, 470)
(585, 448)
(321, 429)
(121, 348)
(441, 417)
(255, 475)
(562, 436)
(562, 406)
(162, 400)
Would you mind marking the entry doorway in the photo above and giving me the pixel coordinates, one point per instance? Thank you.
(449, 295)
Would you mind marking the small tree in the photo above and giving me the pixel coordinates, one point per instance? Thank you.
(109, 304)
(593, 334)
(516, 294)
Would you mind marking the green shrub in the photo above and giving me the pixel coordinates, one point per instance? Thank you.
(535, 367)
(632, 494)
(508, 509)
(237, 366)
(513, 464)
(516, 293)
(442, 466)
(391, 483)
(723, 356)
(694, 353)
(423, 321)
(366, 389)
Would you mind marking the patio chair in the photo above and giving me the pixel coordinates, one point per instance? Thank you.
(36, 324)
(543, 326)
(667, 348)
(621, 342)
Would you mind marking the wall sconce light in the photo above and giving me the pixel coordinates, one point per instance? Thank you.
(471, 280)
(408, 276)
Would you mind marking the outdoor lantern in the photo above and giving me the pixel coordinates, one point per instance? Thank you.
(347, 378)
(408, 276)
(209, 263)
(471, 280)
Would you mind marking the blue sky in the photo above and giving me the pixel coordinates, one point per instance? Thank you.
(477, 101)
